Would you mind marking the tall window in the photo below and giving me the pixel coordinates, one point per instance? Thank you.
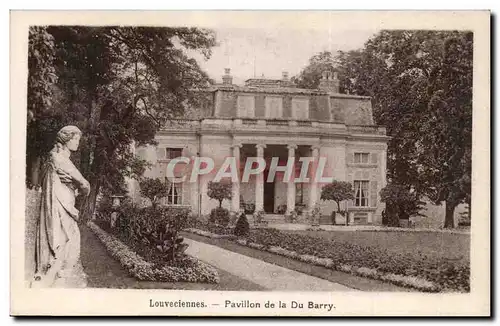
(299, 193)
(274, 107)
(246, 106)
(174, 194)
(300, 108)
(361, 193)
(173, 153)
(361, 158)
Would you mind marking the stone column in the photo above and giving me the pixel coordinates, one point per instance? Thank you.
(235, 201)
(313, 191)
(290, 199)
(259, 182)
(193, 186)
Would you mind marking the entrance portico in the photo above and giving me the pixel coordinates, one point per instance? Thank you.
(276, 185)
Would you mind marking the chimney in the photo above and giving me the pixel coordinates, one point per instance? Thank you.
(284, 75)
(328, 83)
(227, 79)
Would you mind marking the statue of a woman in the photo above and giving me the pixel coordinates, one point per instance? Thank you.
(57, 251)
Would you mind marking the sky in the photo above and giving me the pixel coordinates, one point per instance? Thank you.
(269, 52)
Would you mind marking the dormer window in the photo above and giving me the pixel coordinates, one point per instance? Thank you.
(274, 107)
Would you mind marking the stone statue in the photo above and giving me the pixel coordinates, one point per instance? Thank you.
(57, 245)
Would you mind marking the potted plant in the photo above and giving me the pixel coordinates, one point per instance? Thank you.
(338, 191)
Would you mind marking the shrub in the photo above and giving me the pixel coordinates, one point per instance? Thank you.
(299, 209)
(249, 208)
(219, 216)
(186, 269)
(401, 203)
(315, 215)
(258, 217)
(242, 227)
(192, 221)
(104, 208)
(153, 232)
(281, 209)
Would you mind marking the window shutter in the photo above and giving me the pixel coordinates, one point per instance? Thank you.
(373, 193)
(374, 158)
(162, 171)
(350, 158)
(350, 179)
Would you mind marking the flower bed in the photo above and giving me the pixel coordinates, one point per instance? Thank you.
(415, 271)
(209, 234)
(188, 269)
(215, 229)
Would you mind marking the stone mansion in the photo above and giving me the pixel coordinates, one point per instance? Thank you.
(268, 118)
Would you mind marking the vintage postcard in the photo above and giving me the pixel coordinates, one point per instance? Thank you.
(250, 163)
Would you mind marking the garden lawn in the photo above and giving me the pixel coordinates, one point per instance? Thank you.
(103, 271)
(433, 244)
(390, 256)
(352, 281)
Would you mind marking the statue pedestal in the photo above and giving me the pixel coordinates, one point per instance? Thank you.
(31, 216)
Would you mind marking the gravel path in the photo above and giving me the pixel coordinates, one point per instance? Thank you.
(103, 271)
(269, 275)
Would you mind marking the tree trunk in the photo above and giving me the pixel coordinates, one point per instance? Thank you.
(85, 160)
(91, 168)
(35, 172)
(88, 206)
(449, 218)
(174, 237)
(220, 203)
(334, 217)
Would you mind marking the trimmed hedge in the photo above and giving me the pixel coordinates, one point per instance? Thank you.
(187, 269)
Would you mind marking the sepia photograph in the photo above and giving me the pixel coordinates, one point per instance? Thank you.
(212, 165)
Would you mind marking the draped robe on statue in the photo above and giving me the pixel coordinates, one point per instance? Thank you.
(57, 252)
